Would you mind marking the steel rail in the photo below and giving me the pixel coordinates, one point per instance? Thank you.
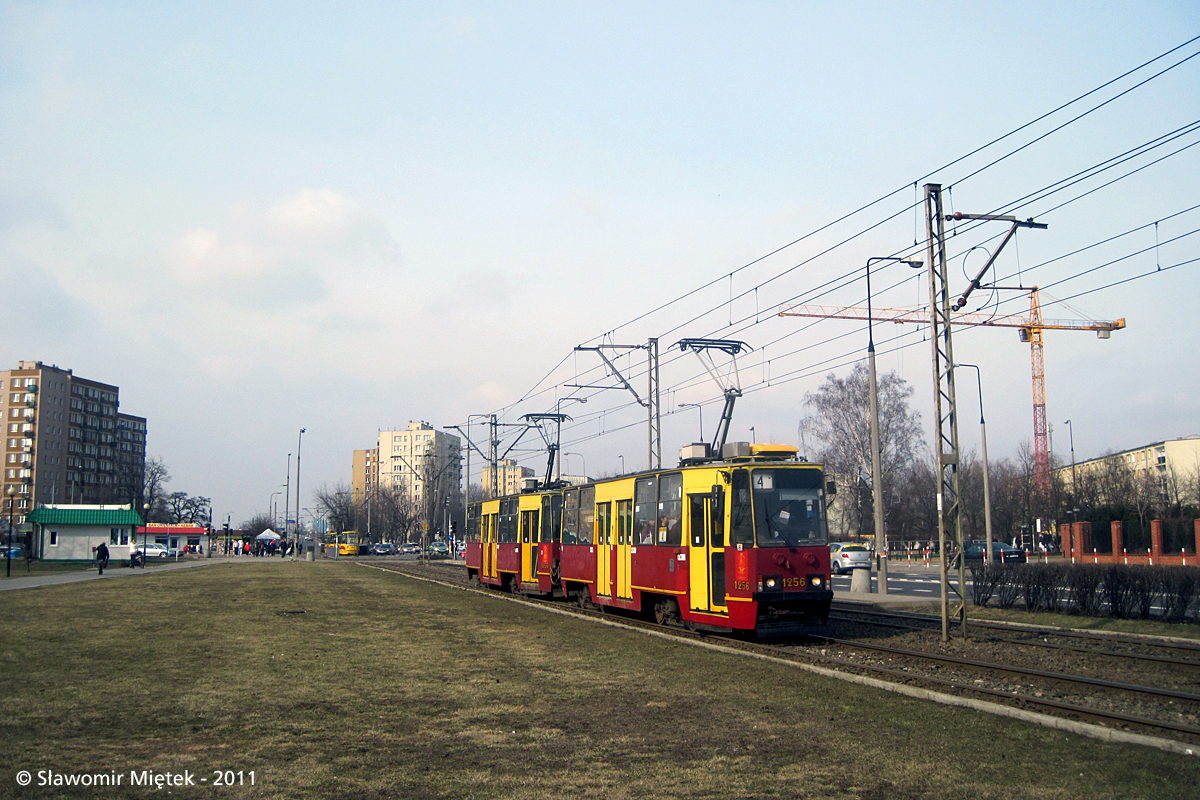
(1035, 673)
(570, 609)
(1069, 648)
(1148, 640)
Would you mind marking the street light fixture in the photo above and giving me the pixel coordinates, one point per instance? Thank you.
(12, 503)
(876, 469)
(987, 497)
(581, 458)
(699, 408)
(299, 440)
(145, 533)
(558, 433)
(1074, 494)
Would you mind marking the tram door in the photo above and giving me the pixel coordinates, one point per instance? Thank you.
(529, 545)
(604, 549)
(706, 555)
(490, 568)
(621, 554)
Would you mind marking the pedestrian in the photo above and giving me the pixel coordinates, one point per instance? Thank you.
(102, 556)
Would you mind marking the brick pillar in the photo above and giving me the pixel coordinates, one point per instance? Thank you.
(1156, 538)
(1118, 536)
(1064, 530)
(1083, 535)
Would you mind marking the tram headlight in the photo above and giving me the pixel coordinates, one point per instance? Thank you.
(770, 583)
(816, 581)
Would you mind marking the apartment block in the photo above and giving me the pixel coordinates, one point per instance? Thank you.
(1172, 459)
(66, 441)
(364, 472)
(507, 479)
(424, 462)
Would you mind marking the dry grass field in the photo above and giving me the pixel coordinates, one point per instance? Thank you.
(386, 687)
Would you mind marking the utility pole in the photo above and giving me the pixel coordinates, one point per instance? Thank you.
(945, 414)
(651, 403)
(654, 422)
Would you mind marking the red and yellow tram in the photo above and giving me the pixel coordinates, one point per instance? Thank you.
(737, 543)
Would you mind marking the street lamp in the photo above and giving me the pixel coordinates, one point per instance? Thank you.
(623, 457)
(12, 503)
(699, 408)
(987, 497)
(299, 440)
(876, 468)
(1074, 494)
(581, 458)
(145, 532)
(558, 433)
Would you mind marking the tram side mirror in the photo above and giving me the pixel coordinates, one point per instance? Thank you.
(830, 488)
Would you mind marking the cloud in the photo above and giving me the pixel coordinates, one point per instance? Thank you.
(20, 208)
(286, 254)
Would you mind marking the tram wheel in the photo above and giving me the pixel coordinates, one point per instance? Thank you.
(665, 611)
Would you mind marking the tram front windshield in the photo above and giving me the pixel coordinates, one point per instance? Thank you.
(789, 507)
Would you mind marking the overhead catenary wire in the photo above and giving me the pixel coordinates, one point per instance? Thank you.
(746, 322)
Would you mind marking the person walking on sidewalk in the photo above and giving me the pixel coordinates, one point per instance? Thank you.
(102, 556)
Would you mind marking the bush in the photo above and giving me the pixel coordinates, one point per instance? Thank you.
(1083, 581)
(1009, 587)
(984, 580)
(1118, 590)
(1039, 585)
(1147, 586)
(1180, 586)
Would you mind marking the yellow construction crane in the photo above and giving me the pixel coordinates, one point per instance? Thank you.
(1030, 330)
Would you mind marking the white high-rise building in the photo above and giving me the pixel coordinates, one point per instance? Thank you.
(424, 462)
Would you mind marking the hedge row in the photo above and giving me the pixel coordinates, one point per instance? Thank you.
(1117, 590)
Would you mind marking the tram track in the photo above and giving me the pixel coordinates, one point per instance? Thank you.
(1039, 636)
(1159, 714)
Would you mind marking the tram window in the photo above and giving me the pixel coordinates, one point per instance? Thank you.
(603, 524)
(717, 535)
(509, 521)
(587, 513)
(547, 535)
(741, 526)
(556, 504)
(473, 523)
(670, 509)
(570, 525)
(645, 510)
(624, 522)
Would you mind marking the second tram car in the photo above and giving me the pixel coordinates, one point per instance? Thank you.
(737, 543)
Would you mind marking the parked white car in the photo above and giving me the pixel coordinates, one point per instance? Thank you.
(846, 557)
(155, 550)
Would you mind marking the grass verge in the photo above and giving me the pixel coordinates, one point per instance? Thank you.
(385, 687)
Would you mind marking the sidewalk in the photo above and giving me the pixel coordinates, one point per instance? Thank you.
(93, 573)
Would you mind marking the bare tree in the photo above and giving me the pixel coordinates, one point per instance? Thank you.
(337, 506)
(840, 422)
(257, 524)
(154, 477)
(180, 507)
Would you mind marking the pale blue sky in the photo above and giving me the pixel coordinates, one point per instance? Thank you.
(258, 217)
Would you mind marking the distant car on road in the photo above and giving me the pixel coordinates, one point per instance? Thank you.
(844, 558)
(14, 552)
(383, 549)
(439, 550)
(410, 549)
(1002, 553)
